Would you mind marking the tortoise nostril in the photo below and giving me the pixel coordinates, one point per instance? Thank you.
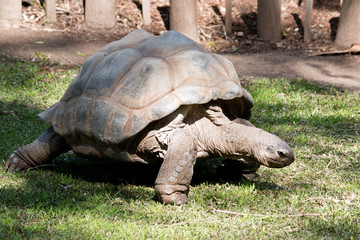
(282, 154)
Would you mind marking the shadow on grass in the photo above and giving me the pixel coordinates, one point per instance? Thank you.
(138, 174)
(22, 231)
(119, 173)
(46, 189)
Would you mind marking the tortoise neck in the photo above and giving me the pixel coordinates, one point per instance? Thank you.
(239, 139)
(231, 139)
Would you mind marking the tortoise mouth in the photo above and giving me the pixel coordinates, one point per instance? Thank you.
(276, 163)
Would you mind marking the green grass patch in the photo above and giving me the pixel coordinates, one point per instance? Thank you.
(317, 197)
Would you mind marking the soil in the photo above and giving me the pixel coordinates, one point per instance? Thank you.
(69, 42)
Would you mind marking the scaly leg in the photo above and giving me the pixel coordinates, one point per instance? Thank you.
(47, 146)
(173, 180)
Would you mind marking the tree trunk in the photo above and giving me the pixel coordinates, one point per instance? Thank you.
(146, 11)
(10, 12)
(50, 8)
(183, 17)
(100, 14)
(348, 31)
(268, 20)
(228, 17)
(308, 18)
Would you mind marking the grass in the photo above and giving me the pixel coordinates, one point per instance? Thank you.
(317, 197)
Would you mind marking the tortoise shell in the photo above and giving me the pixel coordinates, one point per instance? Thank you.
(140, 79)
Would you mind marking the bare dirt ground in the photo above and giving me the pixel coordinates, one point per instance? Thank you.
(69, 42)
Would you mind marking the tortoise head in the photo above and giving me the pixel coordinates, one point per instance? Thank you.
(239, 139)
(269, 150)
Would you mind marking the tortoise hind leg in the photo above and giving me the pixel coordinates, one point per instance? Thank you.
(173, 180)
(47, 146)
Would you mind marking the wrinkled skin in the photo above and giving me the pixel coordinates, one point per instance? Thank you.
(190, 133)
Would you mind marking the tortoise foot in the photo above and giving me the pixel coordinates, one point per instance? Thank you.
(16, 163)
(176, 198)
(172, 194)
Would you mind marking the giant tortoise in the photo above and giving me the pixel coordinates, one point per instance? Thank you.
(156, 99)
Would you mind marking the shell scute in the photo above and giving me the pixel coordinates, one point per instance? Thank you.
(125, 125)
(194, 68)
(147, 81)
(57, 115)
(77, 86)
(109, 71)
(69, 118)
(116, 132)
(163, 107)
(227, 66)
(83, 119)
(101, 117)
(194, 95)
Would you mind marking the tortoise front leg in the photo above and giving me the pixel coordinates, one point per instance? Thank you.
(173, 180)
(47, 146)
